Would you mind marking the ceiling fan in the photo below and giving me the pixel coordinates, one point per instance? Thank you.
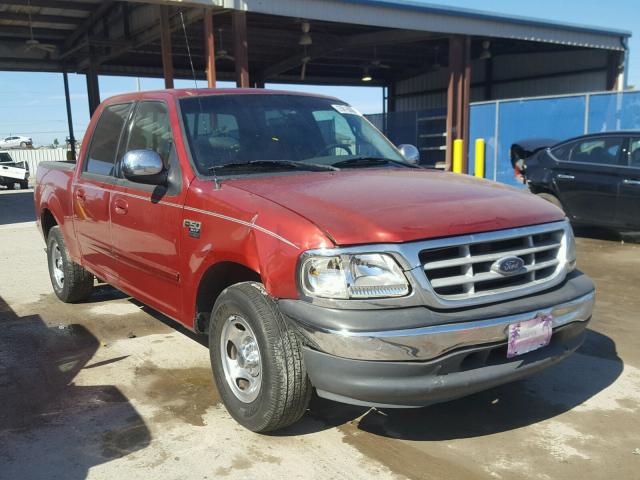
(376, 62)
(221, 53)
(32, 43)
(304, 41)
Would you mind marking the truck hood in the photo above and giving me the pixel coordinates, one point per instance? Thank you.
(400, 205)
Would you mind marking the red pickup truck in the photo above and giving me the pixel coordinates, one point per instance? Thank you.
(311, 251)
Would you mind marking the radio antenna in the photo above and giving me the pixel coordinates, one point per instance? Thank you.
(216, 182)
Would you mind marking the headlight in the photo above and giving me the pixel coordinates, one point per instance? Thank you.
(570, 248)
(371, 275)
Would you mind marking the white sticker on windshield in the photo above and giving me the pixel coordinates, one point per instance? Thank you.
(346, 110)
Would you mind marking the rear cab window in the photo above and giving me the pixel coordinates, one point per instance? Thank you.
(101, 158)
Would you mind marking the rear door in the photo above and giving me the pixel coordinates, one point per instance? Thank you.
(92, 191)
(146, 219)
(588, 182)
(628, 212)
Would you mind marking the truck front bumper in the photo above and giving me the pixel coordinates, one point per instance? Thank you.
(436, 356)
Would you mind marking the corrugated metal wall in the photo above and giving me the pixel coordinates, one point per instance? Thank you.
(34, 157)
(554, 73)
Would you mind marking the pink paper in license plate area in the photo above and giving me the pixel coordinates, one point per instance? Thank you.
(529, 335)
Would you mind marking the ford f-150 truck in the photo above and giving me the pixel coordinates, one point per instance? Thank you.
(311, 251)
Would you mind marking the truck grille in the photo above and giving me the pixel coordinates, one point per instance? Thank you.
(463, 269)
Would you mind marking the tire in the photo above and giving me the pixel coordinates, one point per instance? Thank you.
(71, 282)
(551, 199)
(23, 145)
(24, 185)
(11, 186)
(283, 387)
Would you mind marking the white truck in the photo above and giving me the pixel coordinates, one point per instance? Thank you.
(13, 172)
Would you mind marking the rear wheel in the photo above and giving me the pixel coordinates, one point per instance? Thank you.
(23, 144)
(11, 186)
(551, 199)
(257, 360)
(24, 185)
(71, 282)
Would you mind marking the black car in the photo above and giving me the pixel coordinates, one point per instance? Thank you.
(594, 178)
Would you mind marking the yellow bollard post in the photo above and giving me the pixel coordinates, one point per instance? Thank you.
(479, 163)
(457, 155)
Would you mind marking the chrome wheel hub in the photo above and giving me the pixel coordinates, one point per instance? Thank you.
(241, 359)
(57, 266)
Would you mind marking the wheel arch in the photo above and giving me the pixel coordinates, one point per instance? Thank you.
(48, 220)
(213, 281)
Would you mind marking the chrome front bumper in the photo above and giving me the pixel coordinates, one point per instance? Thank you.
(430, 342)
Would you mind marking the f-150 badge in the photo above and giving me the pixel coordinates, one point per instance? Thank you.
(194, 227)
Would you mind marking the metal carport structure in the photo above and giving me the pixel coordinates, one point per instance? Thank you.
(436, 55)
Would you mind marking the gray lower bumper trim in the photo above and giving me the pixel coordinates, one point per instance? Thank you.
(430, 342)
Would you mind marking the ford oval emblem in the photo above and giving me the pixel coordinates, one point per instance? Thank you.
(508, 266)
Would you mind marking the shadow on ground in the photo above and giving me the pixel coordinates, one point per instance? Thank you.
(50, 427)
(17, 207)
(508, 407)
(599, 233)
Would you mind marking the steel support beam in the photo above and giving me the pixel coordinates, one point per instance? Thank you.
(615, 66)
(100, 11)
(241, 49)
(165, 42)
(210, 48)
(67, 98)
(57, 4)
(458, 93)
(93, 87)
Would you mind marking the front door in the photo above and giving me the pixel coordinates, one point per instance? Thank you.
(92, 191)
(588, 183)
(628, 213)
(145, 219)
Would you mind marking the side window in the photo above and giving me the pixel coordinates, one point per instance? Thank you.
(104, 143)
(634, 153)
(604, 151)
(563, 152)
(151, 130)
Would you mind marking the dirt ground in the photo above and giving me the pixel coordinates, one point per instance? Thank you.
(110, 389)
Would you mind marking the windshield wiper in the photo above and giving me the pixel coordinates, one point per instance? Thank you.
(266, 164)
(364, 161)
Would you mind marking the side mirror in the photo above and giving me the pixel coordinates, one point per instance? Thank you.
(410, 153)
(144, 166)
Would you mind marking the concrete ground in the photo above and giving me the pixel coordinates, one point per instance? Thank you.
(110, 389)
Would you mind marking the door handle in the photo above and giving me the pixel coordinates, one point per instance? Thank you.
(627, 181)
(121, 207)
(562, 176)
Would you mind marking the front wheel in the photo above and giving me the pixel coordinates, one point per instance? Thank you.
(71, 282)
(24, 185)
(257, 360)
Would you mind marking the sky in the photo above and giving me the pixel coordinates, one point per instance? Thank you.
(32, 104)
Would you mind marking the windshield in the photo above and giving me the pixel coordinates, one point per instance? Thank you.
(5, 157)
(236, 129)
